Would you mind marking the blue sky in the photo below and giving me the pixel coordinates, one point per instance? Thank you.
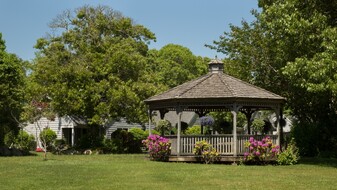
(190, 23)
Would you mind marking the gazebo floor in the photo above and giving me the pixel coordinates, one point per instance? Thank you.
(192, 158)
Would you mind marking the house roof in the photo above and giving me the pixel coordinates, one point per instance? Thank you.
(216, 86)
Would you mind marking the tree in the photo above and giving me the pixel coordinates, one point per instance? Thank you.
(12, 83)
(289, 49)
(47, 137)
(174, 64)
(33, 112)
(95, 68)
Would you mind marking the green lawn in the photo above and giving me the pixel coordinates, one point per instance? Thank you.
(136, 172)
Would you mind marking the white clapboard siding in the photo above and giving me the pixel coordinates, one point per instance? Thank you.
(56, 125)
(122, 124)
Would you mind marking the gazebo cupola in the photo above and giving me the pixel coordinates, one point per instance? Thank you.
(215, 66)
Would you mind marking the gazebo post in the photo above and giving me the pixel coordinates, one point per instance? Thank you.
(179, 112)
(277, 113)
(281, 127)
(150, 119)
(235, 138)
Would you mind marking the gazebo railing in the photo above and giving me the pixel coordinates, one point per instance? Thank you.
(224, 144)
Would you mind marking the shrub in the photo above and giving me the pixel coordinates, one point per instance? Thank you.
(195, 130)
(122, 141)
(9, 139)
(154, 132)
(48, 136)
(260, 151)
(22, 141)
(164, 126)
(290, 156)
(307, 137)
(89, 141)
(183, 126)
(25, 141)
(138, 134)
(258, 125)
(206, 151)
(159, 148)
(60, 146)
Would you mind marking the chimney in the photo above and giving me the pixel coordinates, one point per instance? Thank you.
(215, 66)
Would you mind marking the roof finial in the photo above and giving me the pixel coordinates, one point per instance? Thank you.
(216, 65)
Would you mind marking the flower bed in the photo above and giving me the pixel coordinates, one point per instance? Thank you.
(207, 153)
(159, 147)
(260, 152)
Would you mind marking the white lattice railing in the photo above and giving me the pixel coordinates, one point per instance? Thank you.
(224, 144)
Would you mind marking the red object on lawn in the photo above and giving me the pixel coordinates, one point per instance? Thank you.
(38, 149)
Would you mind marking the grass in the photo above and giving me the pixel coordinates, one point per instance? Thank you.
(136, 172)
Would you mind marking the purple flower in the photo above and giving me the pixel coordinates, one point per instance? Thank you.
(207, 121)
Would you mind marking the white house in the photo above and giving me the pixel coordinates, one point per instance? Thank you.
(65, 128)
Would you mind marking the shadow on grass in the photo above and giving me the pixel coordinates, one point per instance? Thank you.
(325, 162)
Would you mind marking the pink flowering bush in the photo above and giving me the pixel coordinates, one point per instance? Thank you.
(260, 151)
(159, 147)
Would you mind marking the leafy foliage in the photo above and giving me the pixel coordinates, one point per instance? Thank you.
(22, 141)
(96, 68)
(159, 147)
(138, 134)
(123, 141)
(194, 130)
(164, 126)
(290, 156)
(258, 125)
(48, 137)
(290, 49)
(12, 82)
(206, 151)
(174, 64)
(223, 121)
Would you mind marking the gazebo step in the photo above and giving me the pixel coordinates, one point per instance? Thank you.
(224, 159)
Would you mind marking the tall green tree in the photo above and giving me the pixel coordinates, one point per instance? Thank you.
(290, 49)
(12, 81)
(174, 64)
(93, 67)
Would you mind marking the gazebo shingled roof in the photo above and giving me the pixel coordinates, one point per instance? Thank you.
(215, 87)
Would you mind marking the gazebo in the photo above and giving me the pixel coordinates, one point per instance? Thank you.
(216, 91)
